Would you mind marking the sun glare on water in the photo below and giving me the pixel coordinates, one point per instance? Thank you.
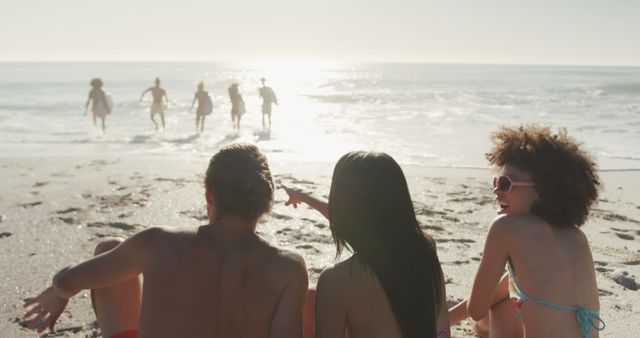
(302, 126)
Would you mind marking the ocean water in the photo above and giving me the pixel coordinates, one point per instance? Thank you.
(425, 114)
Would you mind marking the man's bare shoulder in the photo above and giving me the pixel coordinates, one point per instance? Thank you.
(287, 262)
(155, 236)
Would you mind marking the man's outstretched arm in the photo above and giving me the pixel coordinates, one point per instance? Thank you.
(122, 263)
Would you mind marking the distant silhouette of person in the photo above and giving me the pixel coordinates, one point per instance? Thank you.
(204, 106)
(268, 97)
(99, 105)
(237, 105)
(158, 106)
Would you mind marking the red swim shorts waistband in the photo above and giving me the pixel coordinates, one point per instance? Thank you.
(126, 334)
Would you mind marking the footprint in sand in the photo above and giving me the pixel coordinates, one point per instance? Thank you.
(451, 218)
(68, 210)
(456, 240)
(69, 220)
(200, 215)
(126, 200)
(179, 182)
(625, 236)
(125, 214)
(316, 270)
(451, 302)
(301, 237)
(463, 199)
(625, 279)
(292, 182)
(281, 216)
(484, 200)
(308, 247)
(315, 223)
(604, 293)
(116, 225)
(30, 205)
(93, 328)
(425, 211)
(433, 227)
(283, 231)
(609, 216)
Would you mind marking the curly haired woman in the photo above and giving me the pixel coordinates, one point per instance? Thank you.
(545, 186)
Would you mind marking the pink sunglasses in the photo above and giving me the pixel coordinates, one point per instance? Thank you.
(506, 183)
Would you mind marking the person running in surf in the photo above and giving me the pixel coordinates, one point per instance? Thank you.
(268, 97)
(158, 106)
(99, 105)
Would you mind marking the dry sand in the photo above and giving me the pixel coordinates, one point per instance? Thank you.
(53, 211)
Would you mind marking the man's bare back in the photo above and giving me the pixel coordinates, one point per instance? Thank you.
(197, 284)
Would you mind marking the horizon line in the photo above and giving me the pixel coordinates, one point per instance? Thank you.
(330, 61)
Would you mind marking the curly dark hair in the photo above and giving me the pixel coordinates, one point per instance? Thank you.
(240, 180)
(564, 174)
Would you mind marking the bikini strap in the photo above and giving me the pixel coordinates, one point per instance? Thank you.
(585, 318)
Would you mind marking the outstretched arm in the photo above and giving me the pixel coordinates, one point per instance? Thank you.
(120, 264)
(296, 197)
(86, 105)
(144, 92)
(194, 102)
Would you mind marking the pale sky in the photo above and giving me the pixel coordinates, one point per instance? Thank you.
(581, 32)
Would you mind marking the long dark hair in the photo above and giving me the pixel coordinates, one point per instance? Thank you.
(370, 211)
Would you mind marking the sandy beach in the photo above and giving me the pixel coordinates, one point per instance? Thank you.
(53, 211)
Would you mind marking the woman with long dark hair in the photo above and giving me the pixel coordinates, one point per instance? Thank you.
(392, 285)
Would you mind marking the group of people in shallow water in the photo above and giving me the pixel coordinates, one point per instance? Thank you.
(223, 280)
(101, 104)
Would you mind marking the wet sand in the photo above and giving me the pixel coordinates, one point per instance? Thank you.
(54, 210)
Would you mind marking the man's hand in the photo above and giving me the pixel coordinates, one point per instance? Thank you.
(46, 308)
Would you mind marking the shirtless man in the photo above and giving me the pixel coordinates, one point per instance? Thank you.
(219, 280)
(158, 106)
(268, 97)
(203, 99)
